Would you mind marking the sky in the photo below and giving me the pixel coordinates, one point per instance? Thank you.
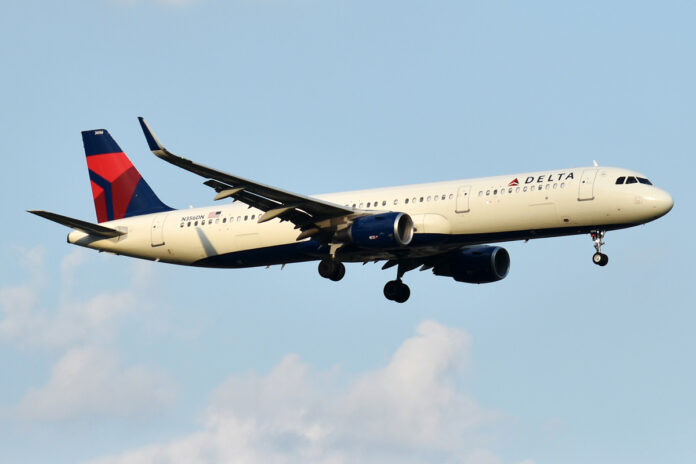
(107, 359)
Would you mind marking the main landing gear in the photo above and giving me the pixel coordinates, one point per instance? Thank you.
(332, 269)
(396, 290)
(599, 258)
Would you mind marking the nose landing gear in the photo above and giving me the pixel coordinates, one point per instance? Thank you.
(599, 258)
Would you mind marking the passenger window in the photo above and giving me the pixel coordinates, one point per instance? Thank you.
(525, 188)
(415, 200)
(361, 205)
(451, 196)
(253, 216)
(224, 220)
(510, 190)
(428, 197)
(406, 201)
(353, 205)
(239, 218)
(555, 185)
(182, 225)
(562, 184)
(531, 188)
(502, 191)
(210, 221)
(631, 180)
(435, 198)
(480, 193)
(495, 192)
(195, 223)
(384, 203)
(246, 217)
(189, 224)
(488, 192)
(645, 181)
(620, 180)
(368, 204)
(421, 199)
(396, 202)
(548, 186)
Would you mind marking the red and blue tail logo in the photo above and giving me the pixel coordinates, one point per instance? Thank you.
(118, 189)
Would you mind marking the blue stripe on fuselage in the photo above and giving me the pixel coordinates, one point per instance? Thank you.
(312, 250)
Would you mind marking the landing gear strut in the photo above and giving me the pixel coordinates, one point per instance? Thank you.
(332, 269)
(599, 258)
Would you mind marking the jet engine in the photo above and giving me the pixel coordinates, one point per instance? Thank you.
(475, 265)
(379, 231)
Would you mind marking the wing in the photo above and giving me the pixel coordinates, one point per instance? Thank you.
(77, 224)
(311, 215)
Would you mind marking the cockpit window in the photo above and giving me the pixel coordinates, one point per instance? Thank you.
(645, 181)
(631, 180)
(620, 180)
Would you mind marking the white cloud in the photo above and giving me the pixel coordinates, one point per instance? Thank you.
(412, 410)
(88, 379)
(89, 382)
(74, 319)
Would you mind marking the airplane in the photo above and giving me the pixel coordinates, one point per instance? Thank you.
(445, 227)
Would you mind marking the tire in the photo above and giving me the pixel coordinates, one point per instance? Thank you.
(338, 272)
(391, 290)
(604, 261)
(326, 268)
(403, 294)
(600, 259)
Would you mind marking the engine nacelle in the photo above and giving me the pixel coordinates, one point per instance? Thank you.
(379, 231)
(476, 265)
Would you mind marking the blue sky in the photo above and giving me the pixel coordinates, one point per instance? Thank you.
(112, 360)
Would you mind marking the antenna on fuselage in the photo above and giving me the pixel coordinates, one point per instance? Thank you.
(595, 163)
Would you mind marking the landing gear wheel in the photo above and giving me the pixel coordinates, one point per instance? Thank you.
(391, 289)
(600, 259)
(395, 290)
(404, 294)
(331, 269)
(339, 272)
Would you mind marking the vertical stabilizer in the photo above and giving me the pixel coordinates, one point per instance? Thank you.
(118, 188)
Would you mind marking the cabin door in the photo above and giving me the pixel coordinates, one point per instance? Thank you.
(463, 199)
(586, 191)
(157, 232)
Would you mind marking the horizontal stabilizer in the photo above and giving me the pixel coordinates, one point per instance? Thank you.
(82, 226)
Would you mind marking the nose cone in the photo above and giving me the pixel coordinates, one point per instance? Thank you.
(660, 202)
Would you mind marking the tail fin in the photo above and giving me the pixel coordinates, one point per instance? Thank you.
(117, 187)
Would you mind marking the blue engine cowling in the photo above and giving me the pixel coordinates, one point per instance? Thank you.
(379, 231)
(475, 265)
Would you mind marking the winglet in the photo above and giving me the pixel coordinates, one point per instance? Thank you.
(150, 136)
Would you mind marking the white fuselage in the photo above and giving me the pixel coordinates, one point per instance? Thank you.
(446, 215)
